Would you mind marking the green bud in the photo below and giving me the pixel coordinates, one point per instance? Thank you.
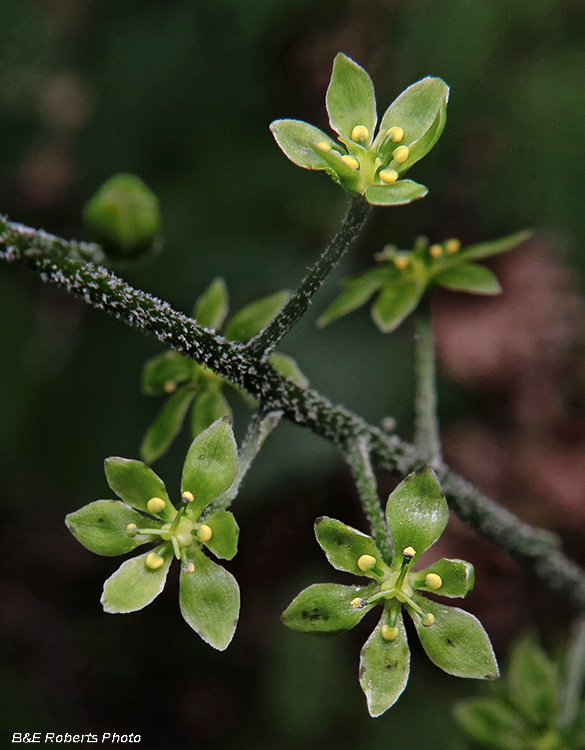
(124, 216)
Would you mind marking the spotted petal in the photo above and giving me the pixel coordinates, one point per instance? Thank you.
(456, 642)
(326, 608)
(384, 667)
(343, 545)
(101, 527)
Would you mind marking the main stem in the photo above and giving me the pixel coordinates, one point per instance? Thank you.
(427, 439)
(264, 343)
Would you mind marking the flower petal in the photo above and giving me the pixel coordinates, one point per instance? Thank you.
(165, 371)
(344, 545)
(457, 576)
(101, 527)
(357, 290)
(211, 465)
(416, 109)
(456, 642)
(212, 306)
(493, 723)
(470, 277)
(210, 600)
(495, 247)
(297, 139)
(327, 608)
(225, 533)
(395, 303)
(134, 585)
(350, 97)
(252, 318)
(135, 483)
(167, 425)
(416, 512)
(533, 682)
(210, 406)
(397, 194)
(384, 667)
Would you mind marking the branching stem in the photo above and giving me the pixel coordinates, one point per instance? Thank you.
(535, 548)
(264, 343)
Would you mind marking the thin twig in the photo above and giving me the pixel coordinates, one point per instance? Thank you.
(260, 427)
(427, 438)
(357, 454)
(264, 343)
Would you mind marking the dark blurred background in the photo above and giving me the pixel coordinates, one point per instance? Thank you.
(182, 93)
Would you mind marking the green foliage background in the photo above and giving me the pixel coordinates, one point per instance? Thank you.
(182, 93)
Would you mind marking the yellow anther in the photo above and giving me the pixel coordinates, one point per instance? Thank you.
(131, 529)
(204, 533)
(170, 386)
(428, 620)
(154, 561)
(188, 497)
(190, 568)
(351, 161)
(155, 504)
(325, 146)
(401, 154)
(388, 633)
(388, 175)
(433, 581)
(396, 133)
(357, 603)
(366, 562)
(360, 133)
(435, 251)
(401, 261)
(408, 552)
(452, 246)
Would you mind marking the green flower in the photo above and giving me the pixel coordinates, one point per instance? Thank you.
(453, 639)
(404, 276)
(190, 385)
(529, 713)
(362, 162)
(209, 595)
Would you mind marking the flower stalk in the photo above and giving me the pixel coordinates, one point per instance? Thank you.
(427, 437)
